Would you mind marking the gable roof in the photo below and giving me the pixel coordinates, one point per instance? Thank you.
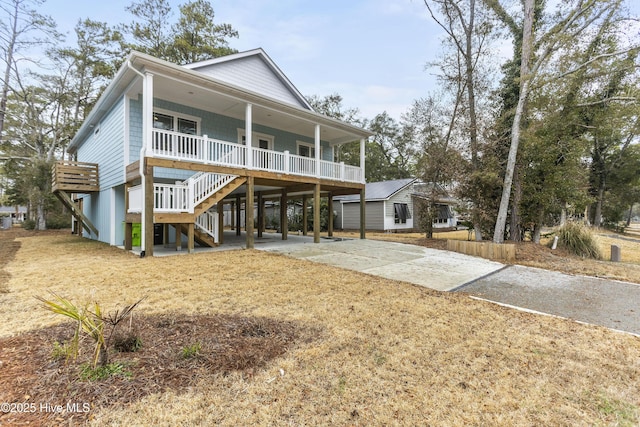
(377, 191)
(128, 80)
(253, 70)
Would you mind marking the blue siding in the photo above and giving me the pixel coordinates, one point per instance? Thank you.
(97, 207)
(135, 129)
(105, 147)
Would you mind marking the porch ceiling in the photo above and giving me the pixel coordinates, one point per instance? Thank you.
(216, 102)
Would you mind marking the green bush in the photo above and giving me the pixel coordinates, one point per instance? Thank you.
(578, 239)
(57, 222)
(29, 224)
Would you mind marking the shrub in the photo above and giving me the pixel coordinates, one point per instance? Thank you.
(29, 224)
(57, 222)
(578, 239)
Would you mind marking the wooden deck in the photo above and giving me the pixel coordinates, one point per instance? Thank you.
(75, 177)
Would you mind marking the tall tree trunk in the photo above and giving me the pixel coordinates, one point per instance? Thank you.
(537, 229)
(41, 222)
(630, 213)
(527, 48)
(563, 214)
(515, 228)
(597, 216)
(7, 71)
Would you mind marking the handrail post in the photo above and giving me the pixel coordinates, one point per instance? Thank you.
(287, 161)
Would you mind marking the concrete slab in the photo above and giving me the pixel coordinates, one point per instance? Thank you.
(435, 269)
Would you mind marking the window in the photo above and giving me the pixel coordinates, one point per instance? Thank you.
(171, 122)
(401, 213)
(307, 150)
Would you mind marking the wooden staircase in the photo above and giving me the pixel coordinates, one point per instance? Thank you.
(67, 178)
(200, 236)
(206, 204)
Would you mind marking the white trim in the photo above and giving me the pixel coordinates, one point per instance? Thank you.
(362, 157)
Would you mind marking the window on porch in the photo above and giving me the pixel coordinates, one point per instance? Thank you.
(307, 150)
(174, 123)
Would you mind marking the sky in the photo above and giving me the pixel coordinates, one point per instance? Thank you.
(371, 52)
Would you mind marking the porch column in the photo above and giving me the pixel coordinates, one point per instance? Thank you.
(190, 237)
(330, 206)
(305, 215)
(238, 214)
(147, 220)
(362, 145)
(128, 239)
(178, 228)
(248, 130)
(284, 218)
(260, 214)
(233, 215)
(248, 213)
(363, 214)
(165, 234)
(220, 222)
(147, 114)
(316, 214)
(317, 149)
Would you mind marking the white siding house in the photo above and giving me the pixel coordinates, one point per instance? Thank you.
(390, 206)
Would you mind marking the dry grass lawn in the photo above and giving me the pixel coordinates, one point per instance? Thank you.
(387, 353)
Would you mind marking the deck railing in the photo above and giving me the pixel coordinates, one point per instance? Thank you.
(77, 177)
(202, 149)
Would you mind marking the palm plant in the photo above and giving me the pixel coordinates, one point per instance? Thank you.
(91, 323)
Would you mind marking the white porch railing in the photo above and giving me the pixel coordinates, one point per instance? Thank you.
(203, 184)
(178, 146)
(208, 223)
(171, 198)
(181, 197)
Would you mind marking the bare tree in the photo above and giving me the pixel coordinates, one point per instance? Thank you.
(468, 35)
(20, 21)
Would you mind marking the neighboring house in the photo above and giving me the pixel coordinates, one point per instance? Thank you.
(17, 213)
(167, 146)
(391, 206)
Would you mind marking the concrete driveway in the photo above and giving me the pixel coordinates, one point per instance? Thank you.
(435, 269)
(607, 303)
